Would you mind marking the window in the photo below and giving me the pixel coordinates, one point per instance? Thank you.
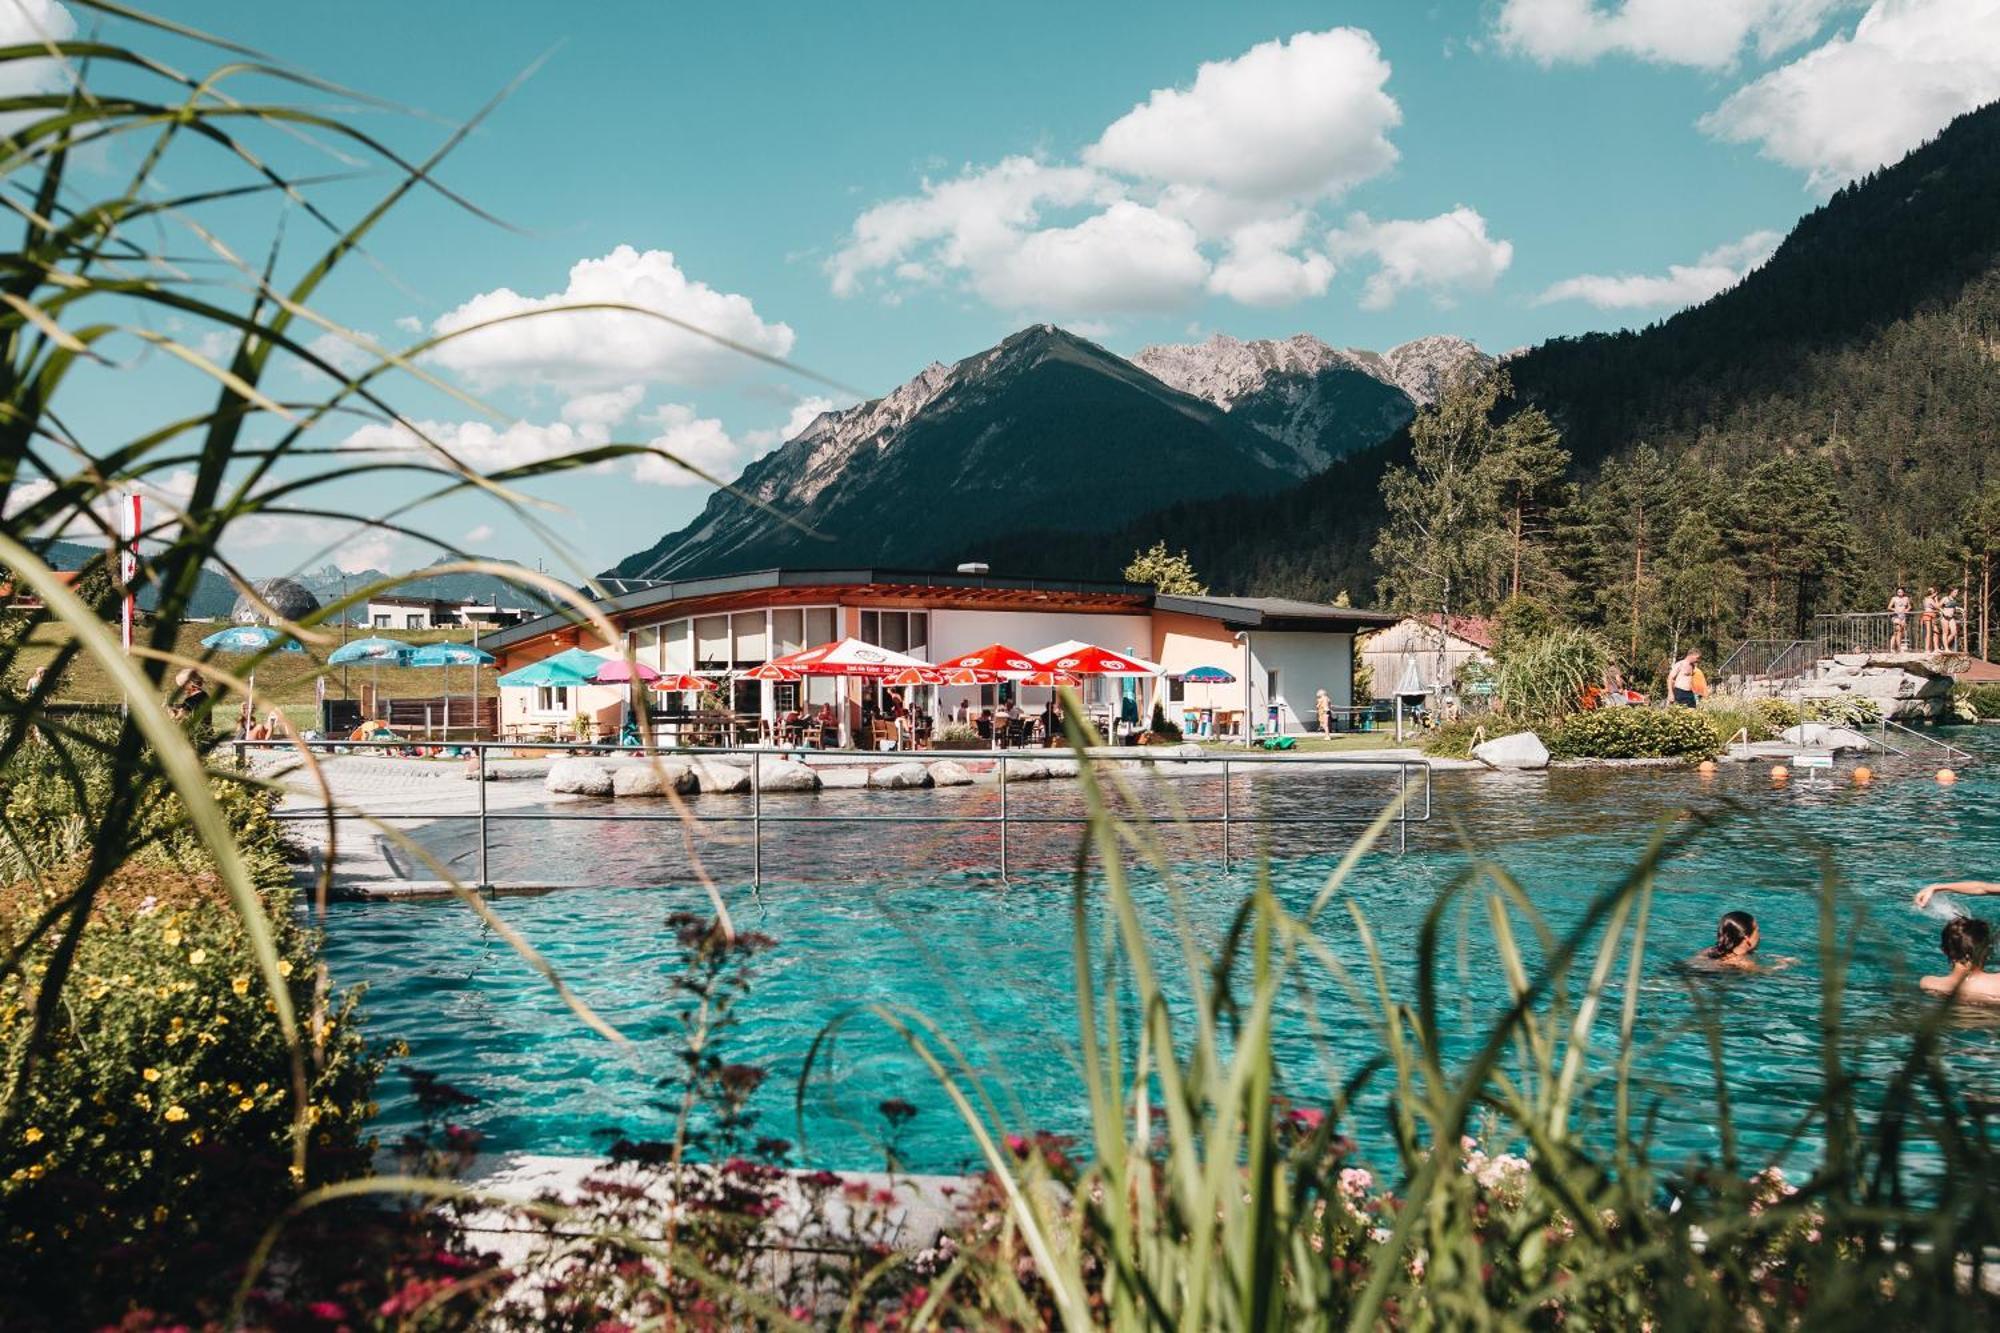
(1176, 689)
(414, 620)
(552, 699)
(711, 643)
(746, 631)
(822, 625)
(677, 647)
(788, 632)
(380, 621)
(898, 631)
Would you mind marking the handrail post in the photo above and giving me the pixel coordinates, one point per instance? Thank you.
(1000, 771)
(1225, 809)
(757, 819)
(485, 880)
(1403, 809)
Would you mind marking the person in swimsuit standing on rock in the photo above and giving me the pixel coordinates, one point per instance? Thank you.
(1899, 621)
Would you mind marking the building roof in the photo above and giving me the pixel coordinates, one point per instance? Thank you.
(1479, 631)
(1267, 613)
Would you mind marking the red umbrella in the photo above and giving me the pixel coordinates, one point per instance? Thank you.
(617, 671)
(1085, 659)
(843, 657)
(916, 676)
(995, 659)
(1048, 680)
(683, 681)
(971, 676)
(773, 671)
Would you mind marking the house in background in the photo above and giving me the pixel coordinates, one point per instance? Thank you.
(1281, 652)
(1414, 640)
(407, 613)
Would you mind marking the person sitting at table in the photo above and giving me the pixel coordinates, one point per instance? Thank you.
(984, 724)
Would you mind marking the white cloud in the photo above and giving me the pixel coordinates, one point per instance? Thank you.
(1127, 258)
(409, 324)
(1443, 255)
(480, 445)
(165, 498)
(603, 410)
(804, 413)
(586, 349)
(1710, 34)
(1681, 285)
(699, 441)
(343, 354)
(25, 22)
(1858, 102)
(480, 532)
(1284, 120)
(961, 224)
(1259, 267)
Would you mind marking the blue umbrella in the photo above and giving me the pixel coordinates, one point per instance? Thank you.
(574, 667)
(251, 639)
(448, 655)
(371, 651)
(1207, 675)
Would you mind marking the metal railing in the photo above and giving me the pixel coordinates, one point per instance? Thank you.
(1412, 801)
(1884, 725)
(1769, 663)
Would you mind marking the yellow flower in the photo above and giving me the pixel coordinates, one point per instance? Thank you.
(247, 1104)
(150, 1074)
(198, 957)
(32, 1135)
(170, 935)
(176, 1113)
(241, 985)
(284, 967)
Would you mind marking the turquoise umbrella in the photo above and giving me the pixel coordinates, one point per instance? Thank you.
(449, 655)
(252, 639)
(574, 667)
(373, 651)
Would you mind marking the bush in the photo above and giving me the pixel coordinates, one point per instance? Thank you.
(1985, 700)
(1165, 730)
(1844, 710)
(1778, 714)
(1633, 733)
(1547, 674)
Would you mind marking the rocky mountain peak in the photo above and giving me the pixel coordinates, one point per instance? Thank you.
(1424, 366)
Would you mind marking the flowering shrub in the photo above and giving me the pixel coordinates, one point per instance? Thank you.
(1632, 733)
(152, 1140)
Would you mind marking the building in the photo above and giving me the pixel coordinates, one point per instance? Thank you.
(1281, 652)
(1413, 642)
(406, 613)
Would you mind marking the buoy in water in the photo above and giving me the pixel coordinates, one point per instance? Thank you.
(1863, 775)
(1706, 768)
(1946, 777)
(1779, 772)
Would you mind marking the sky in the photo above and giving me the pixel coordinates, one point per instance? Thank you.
(861, 189)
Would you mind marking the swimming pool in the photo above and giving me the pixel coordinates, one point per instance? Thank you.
(911, 917)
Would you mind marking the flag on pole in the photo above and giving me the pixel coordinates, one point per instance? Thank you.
(128, 563)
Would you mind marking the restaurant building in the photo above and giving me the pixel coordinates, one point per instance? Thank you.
(1281, 652)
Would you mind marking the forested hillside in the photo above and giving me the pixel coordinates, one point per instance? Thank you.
(1799, 443)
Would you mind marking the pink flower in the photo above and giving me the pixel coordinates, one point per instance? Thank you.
(1307, 1117)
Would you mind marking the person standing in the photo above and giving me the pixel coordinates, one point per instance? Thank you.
(1323, 708)
(1927, 622)
(1684, 679)
(1899, 621)
(1948, 619)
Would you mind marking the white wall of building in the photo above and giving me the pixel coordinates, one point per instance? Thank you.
(1303, 664)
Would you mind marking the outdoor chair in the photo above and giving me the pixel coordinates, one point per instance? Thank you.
(883, 730)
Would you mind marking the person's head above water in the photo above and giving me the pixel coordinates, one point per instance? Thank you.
(1965, 942)
(1735, 936)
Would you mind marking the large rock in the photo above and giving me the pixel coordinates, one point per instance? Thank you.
(655, 778)
(898, 776)
(579, 777)
(950, 773)
(1524, 749)
(1822, 736)
(1904, 692)
(842, 775)
(714, 776)
(776, 774)
(1022, 770)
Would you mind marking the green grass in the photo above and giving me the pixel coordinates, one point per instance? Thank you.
(1341, 743)
(285, 679)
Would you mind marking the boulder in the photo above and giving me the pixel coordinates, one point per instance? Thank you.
(714, 776)
(656, 778)
(579, 777)
(842, 775)
(776, 774)
(1023, 770)
(1058, 768)
(1524, 749)
(950, 773)
(899, 776)
(1822, 736)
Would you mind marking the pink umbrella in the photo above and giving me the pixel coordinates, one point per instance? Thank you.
(617, 671)
(683, 681)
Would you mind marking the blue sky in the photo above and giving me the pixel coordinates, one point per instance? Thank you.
(865, 188)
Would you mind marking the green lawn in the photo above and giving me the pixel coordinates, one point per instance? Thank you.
(1339, 743)
(283, 678)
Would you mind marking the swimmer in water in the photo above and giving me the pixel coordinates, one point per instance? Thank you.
(1966, 942)
(1735, 944)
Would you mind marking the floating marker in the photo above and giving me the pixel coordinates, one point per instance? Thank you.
(1706, 768)
(1863, 775)
(1779, 772)
(1946, 777)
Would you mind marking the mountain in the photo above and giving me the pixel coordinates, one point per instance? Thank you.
(1044, 429)
(213, 595)
(1315, 403)
(330, 583)
(1870, 340)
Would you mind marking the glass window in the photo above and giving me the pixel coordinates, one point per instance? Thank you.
(788, 628)
(871, 628)
(822, 625)
(1176, 689)
(895, 631)
(711, 643)
(747, 629)
(552, 698)
(415, 620)
(381, 622)
(920, 635)
(675, 653)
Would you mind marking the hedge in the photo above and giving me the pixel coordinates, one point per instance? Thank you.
(1633, 733)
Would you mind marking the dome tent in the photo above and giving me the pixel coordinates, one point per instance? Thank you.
(291, 601)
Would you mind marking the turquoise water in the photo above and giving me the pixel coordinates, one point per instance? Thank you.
(913, 916)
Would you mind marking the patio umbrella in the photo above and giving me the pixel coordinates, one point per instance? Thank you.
(994, 657)
(252, 639)
(372, 651)
(1087, 659)
(917, 676)
(681, 681)
(1208, 677)
(571, 668)
(847, 657)
(617, 671)
(772, 671)
(449, 655)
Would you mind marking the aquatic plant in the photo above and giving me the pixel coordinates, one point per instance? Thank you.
(1545, 675)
